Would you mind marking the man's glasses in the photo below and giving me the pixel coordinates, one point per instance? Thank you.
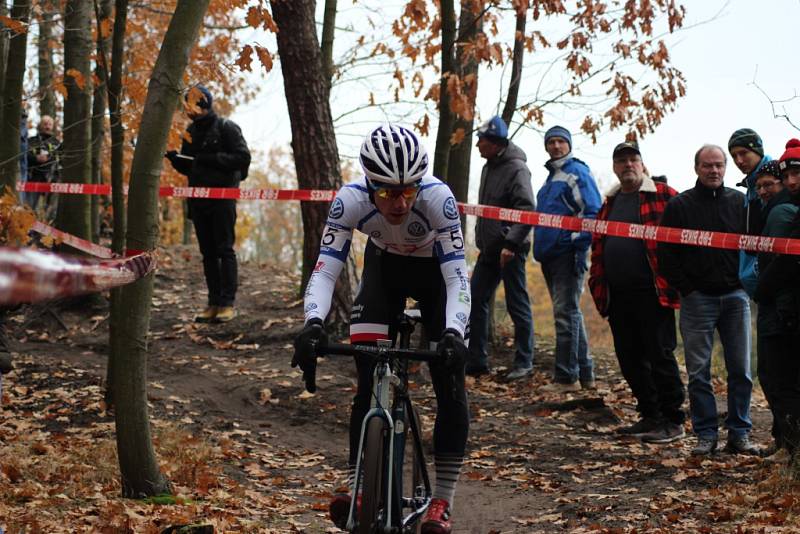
(766, 185)
(392, 193)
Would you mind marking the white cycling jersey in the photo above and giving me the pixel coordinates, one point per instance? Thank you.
(432, 229)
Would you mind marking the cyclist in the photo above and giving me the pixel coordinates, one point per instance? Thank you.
(415, 249)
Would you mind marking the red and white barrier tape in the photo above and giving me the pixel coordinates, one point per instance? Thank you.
(28, 275)
(656, 233)
(75, 242)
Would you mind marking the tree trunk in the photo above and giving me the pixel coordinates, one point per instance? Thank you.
(5, 34)
(102, 13)
(516, 64)
(313, 140)
(328, 31)
(441, 154)
(117, 173)
(467, 69)
(47, 92)
(76, 162)
(138, 466)
(11, 105)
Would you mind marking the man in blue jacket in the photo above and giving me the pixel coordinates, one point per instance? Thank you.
(571, 190)
(747, 151)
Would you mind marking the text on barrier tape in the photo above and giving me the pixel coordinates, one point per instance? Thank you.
(664, 234)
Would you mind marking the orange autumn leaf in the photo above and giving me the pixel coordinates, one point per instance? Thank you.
(76, 75)
(264, 57)
(245, 58)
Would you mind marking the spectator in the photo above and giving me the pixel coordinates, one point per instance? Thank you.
(747, 151)
(570, 189)
(214, 155)
(505, 182)
(778, 297)
(44, 165)
(628, 288)
(711, 298)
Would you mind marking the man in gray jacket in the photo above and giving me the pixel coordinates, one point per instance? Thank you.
(503, 246)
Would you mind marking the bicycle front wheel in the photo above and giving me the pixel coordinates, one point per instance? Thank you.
(372, 496)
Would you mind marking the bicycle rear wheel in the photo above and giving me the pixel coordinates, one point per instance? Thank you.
(372, 495)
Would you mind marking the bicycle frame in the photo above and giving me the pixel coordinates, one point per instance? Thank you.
(392, 405)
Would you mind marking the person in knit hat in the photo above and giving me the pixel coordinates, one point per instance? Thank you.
(747, 151)
(778, 297)
(570, 189)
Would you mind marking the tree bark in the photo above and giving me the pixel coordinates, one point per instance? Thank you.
(76, 163)
(11, 105)
(47, 92)
(328, 31)
(313, 140)
(516, 64)
(102, 13)
(114, 86)
(138, 466)
(466, 67)
(4, 42)
(441, 154)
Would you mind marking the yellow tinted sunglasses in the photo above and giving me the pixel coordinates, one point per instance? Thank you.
(391, 193)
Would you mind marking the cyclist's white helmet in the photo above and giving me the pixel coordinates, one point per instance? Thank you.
(394, 156)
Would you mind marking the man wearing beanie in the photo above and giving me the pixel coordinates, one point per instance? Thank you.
(213, 154)
(711, 299)
(778, 297)
(570, 189)
(747, 151)
(503, 246)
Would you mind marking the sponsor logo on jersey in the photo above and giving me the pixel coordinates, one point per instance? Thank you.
(463, 297)
(462, 317)
(310, 307)
(450, 209)
(375, 233)
(337, 209)
(416, 229)
(319, 266)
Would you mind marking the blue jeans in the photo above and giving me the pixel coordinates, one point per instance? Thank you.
(564, 277)
(485, 279)
(729, 314)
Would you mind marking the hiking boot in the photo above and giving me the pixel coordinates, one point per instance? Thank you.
(225, 314)
(741, 445)
(641, 427)
(666, 433)
(705, 447)
(589, 385)
(437, 518)
(561, 387)
(519, 372)
(339, 509)
(476, 369)
(207, 315)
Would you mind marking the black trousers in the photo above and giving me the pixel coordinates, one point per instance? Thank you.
(387, 281)
(765, 345)
(782, 370)
(645, 340)
(215, 227)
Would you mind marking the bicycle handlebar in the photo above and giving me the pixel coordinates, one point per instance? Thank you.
(343, 349)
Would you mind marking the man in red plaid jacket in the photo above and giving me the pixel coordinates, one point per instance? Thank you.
(628, 289)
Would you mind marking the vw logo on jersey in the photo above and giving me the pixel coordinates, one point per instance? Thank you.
(416, 229)
(376, 234)
(337, 209)
(450, 208)
(462, 317)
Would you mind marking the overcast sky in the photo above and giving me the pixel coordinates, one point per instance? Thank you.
(720, 59)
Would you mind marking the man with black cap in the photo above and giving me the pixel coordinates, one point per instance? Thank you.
(628, 288)
(570, 189)
(215, 154)
(506, 183)
(747, 151)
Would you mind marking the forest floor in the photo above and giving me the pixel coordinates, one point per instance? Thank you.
(247, 450)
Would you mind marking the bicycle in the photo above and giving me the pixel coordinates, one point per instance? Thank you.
(385, 430)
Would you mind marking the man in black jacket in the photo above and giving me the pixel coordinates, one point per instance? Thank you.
(214, 155)
(44, 154)
(505, 182)
(711, 298)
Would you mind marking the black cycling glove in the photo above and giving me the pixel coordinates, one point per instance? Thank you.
(171, 155)
(306, 345)
(452, 350)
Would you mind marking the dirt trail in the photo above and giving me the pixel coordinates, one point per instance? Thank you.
(537, 463)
